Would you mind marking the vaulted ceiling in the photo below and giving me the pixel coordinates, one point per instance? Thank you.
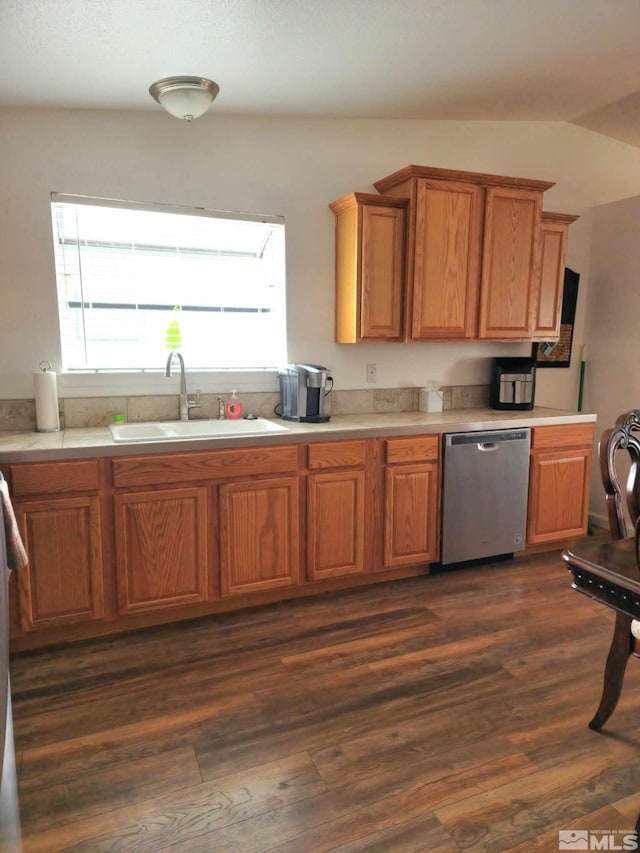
(509, 60)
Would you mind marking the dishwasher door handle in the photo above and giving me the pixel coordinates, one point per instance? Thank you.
(489, 445)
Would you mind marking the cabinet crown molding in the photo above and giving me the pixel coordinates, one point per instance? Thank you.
(563, 218)
(408, 172)
(347, 202)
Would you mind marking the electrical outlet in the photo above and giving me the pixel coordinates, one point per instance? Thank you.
(371, 373)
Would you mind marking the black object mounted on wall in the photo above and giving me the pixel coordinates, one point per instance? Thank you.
(558, 353)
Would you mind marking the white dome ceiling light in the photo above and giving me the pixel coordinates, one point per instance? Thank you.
(185, 97)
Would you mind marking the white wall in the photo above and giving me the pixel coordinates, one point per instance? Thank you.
(612, 383)
(290, 167)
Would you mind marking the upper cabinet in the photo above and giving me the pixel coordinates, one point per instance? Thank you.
(510, 262)
(554, 231)
(370, 235)
(473, 253)
(479, 263)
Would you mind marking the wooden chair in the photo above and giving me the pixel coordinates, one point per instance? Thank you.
(623, 437)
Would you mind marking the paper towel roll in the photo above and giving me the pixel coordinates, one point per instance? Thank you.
(46, 394)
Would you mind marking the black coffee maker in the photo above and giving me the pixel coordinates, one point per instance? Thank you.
(513, 383)
(302, 392)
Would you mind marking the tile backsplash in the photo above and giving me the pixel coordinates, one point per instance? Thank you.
(100, 411)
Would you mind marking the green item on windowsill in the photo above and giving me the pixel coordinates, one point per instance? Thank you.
(174, 338)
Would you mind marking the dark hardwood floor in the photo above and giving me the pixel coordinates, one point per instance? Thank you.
(446, 713)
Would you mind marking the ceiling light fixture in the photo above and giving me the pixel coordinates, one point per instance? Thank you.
(185, 97)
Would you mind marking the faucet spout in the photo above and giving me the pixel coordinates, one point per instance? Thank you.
(185, 403)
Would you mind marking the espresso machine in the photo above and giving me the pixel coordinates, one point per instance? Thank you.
(302, 391)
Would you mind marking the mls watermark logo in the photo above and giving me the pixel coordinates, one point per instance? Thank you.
(573, 839)
(602, 839)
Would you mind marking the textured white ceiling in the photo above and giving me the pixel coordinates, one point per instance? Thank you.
(564, 60)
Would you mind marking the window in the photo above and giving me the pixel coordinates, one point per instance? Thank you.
(127, 273)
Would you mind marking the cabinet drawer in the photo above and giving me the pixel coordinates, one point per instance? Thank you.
(54, 478)
(561, 436)
(168, 468)
(422, 448)
(337, 454)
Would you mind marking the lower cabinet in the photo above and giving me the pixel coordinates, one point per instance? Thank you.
(336, 509)
(108, 539)
(559, 482)
(411, 507)
(63, 583)
(161, 548)
(259, 539)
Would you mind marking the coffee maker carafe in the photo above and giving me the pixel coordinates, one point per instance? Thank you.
(302, 391)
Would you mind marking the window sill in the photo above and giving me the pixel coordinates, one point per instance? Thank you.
(113, 383)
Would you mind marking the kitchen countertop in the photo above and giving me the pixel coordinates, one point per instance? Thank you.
(23, 446)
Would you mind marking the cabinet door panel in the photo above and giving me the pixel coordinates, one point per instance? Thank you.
(370, 267)
(549, 301)
(161, 546)
(558, 495)
(446, 275)
(510, 262)
(54, 478)
(259, 538)
(562, 436)
(335, 524)
(554, 233)
(63, 582)
(382, 272)
(411, 515)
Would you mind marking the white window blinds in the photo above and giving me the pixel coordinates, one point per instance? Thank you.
(123, 269)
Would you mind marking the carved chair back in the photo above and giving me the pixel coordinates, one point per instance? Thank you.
(624, 436)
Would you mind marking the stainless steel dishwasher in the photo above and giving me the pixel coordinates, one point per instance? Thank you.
(484, 494)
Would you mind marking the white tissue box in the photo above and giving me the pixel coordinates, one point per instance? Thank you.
(430, 401)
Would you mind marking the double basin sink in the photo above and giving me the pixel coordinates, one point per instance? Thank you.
(171, 430)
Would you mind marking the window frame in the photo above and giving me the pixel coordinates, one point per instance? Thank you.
(82, 376)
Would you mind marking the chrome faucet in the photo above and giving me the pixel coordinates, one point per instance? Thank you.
(221, 415)
(187, 401)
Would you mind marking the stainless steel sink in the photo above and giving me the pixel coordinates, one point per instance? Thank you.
(171, 430)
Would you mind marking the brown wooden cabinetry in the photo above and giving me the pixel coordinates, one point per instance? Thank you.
(370, 233)
(553, 235)
(138, 540)
(473, 253)
(559, 482)
(59, 520)
(510, 262)
(412, 500)
(161, 548)
(259, 538)
(63, 582)
(171, 553)
(447, 231)
(336, 507)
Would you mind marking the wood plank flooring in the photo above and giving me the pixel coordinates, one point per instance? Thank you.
(445, 713)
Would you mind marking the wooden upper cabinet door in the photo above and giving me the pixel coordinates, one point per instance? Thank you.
(259, 538)
(554, 232)
(383, 232)
(446, 270)
(335, 524)
(161, 548)
(370, 267)
(510, 263)
(63, 582)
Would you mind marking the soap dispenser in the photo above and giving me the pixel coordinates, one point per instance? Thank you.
(234, 408)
